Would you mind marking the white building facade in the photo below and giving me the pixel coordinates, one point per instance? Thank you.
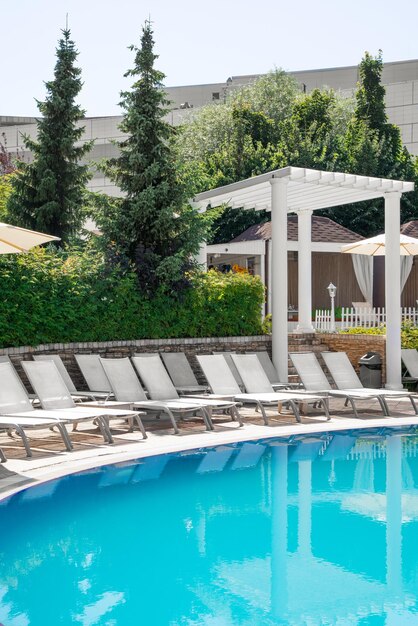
(400, 79)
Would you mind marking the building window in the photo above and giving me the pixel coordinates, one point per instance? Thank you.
(215, 95)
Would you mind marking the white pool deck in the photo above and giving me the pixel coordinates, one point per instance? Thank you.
(49, 462)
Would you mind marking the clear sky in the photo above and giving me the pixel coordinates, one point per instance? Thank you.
(199, 41)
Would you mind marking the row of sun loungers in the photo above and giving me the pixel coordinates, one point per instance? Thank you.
(115, 384)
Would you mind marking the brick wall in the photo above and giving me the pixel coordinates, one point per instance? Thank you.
(357, 345)
(354, 345)
(118, 349)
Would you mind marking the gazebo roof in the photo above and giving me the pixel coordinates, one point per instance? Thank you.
(308, 189)
(323, 230)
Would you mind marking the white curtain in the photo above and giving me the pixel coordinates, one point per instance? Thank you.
(363, 269)
(406, 267)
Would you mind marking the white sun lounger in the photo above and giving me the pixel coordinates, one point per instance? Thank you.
(228, 358)
(181, 373)
(159, 386)
(54, 395)
(93, 372)
(127, 388)
(255, 381)
(410, 360)
(314, 379)
(17, 412)
(93, 395)
(346, 379)
(271, 372)
(224, 385)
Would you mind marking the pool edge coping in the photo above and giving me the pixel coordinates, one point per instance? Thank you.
(110, 456)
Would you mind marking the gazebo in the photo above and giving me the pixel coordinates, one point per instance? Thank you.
(302, 191)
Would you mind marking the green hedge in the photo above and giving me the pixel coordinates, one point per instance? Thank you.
(58, 297)
(409, 333)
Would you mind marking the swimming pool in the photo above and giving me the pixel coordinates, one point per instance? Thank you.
(315, 531)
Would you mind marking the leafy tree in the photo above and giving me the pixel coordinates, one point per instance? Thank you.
(5, 191)
(49, 193)
(261, 128)
(373, 147)
(7, 165)
(151, 225)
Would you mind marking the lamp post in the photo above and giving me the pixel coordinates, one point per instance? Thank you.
(332, 290)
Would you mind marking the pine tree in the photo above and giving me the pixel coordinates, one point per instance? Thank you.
(151, 225)
(49, 193)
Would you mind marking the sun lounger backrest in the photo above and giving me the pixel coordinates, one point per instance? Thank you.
(5, 359)
(93, 372)
(61, 368)
(268, 367)
(341, 370)
(309, 371)
(123, 380)
(13, 396)
(232, 367)
(155, 378)
(218, 374)
(252, 373)
(410, 360)
(48, 384)
(179, 369)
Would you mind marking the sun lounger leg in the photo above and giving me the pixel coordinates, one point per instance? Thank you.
(103, 425)
(326, 408)
(414, 405)
(173, 421)
(3, 457)
(384, 405)
(141, 426)
(65, 437)
(295, 410)
(207, 418)
(263, 413)
(353, 406)
(25, 440)
(235, 414)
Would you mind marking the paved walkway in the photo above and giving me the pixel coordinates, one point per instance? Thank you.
(50, 460)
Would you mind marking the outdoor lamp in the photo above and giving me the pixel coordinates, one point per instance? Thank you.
(332, 290)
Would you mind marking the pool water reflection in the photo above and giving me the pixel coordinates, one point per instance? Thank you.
(315, 531)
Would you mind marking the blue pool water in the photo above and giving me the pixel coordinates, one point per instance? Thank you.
(321, 530)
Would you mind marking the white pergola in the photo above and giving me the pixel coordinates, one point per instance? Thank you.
(302, 191)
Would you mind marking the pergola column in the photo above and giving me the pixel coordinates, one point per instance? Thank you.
(279, 276)
(393, 290)
(305, 271)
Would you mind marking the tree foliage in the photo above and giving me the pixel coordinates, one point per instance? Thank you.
(49, 193)
(151, 225)
(270, 124)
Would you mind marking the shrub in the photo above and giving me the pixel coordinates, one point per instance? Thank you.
(51, 296)
(409, 333)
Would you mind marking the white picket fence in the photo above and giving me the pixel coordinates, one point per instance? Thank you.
(364, 318)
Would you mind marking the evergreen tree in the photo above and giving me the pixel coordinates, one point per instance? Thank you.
(49, 194)
(151, 225)
(373, 147)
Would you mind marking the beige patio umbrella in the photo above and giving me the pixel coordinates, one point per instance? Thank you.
(14, 240)
(375, 246)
